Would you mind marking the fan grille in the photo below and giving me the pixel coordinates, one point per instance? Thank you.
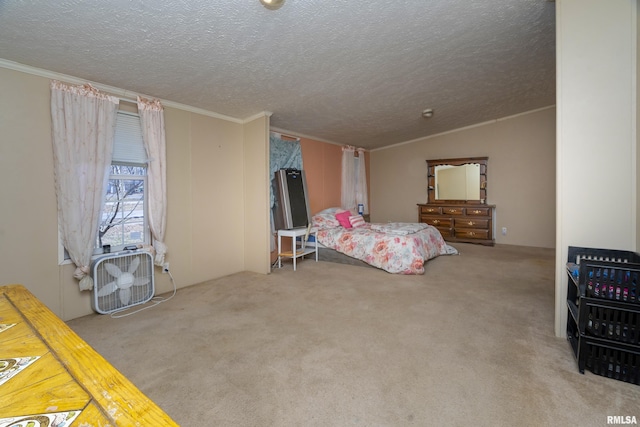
(132, 295)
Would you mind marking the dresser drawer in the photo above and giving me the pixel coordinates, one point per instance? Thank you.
(446, 232)
(479, 211)
(470, 222)
(437, 221)
(471, 233)
(453, 210)
(460, 222)
(430, 210)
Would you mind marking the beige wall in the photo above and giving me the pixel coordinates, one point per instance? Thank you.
(637, 133)
(257, 222)
(521, 175)
(28, 213)
(206, 189)
(596, 142)
(217, 194)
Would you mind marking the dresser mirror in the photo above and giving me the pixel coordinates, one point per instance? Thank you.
(458, 181)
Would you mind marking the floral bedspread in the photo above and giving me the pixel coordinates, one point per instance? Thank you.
(401, 228)
(402, 254)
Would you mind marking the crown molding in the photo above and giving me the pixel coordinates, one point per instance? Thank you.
(123, 94)
(301, 135)
(257, 116)
(488, 122)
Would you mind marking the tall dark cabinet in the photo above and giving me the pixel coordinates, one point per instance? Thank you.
(291, 209)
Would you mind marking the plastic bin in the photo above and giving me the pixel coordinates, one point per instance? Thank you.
(612, 362)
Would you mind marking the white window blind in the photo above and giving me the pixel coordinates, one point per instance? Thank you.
(128, 147)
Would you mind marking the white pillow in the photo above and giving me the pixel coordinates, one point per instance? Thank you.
(357, 221)
(323, 220)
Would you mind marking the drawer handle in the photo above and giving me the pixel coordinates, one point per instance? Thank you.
(470, 223)
(431, 210)
(477, 212)
(471, 233)
(452, 211)
(436, 221)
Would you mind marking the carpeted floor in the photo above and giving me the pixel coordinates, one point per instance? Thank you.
(470, 342)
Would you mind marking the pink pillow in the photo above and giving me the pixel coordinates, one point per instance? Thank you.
(343, 219)
(357, 221)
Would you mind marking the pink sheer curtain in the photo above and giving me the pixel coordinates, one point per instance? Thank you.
(361, 186)
(348, 188)
(153, 134)
(82, 125)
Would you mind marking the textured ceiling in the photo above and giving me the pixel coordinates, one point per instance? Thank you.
(354, 72)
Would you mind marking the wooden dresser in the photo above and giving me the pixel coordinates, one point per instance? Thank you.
(50, 376)
(456, 200)
(460, 223)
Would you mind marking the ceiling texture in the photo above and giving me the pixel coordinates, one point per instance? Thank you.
(356, 72)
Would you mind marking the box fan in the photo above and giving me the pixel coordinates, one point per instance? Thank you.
(122, 280)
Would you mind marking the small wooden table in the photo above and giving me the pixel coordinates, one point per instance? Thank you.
(48, 371)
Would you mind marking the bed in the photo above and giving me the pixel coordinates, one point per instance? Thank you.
(400, 248)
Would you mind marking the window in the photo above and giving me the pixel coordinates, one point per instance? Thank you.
(124, 213)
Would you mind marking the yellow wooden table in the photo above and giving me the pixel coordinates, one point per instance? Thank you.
(50, 377)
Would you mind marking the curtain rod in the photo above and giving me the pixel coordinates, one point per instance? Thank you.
(352, 147)
(279, 134)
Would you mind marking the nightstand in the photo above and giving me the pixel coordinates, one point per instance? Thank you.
(296, 252)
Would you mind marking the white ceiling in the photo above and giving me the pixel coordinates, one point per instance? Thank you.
(354, 72)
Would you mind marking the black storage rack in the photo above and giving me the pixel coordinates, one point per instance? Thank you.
(603, 322)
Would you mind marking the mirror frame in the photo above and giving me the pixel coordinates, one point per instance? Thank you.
(431, 179)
